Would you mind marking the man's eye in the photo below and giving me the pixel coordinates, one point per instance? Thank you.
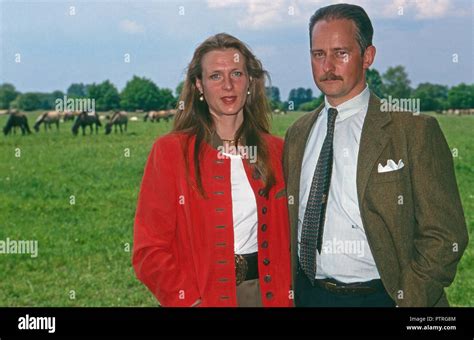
(237, 74)
(215, 76)
(318, 55)
(341, 54)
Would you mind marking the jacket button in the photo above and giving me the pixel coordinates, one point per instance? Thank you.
(269, 295)
(264, 210)
(261, 192)
(264, 244)
(267, 278)
(264, 227)
(266, 261)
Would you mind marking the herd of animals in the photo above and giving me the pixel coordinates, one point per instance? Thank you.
(81, 120)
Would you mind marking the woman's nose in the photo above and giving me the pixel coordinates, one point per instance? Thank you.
(227, 85)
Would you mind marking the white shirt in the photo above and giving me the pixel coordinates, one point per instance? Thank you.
(244, 208)
(345, 254)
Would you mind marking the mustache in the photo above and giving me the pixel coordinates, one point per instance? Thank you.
(330, 76)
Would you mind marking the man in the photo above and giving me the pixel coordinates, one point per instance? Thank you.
(375, 212)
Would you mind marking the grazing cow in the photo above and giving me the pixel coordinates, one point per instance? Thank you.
(118, 118)
(47, 118)
(16, 119)
(158, 115)
(84, 120)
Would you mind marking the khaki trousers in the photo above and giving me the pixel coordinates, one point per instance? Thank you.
(248, 294)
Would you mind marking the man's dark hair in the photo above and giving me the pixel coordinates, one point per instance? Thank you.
(364, 28)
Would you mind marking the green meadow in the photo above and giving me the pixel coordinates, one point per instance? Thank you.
(76, 196)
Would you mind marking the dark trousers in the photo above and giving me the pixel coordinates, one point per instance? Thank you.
(307, 295)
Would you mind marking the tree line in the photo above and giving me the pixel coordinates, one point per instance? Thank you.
(395, 83)
(141, 93)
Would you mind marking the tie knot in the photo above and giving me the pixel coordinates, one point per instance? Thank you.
(332, 113)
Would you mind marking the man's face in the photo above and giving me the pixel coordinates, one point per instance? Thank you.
(224, 81)
(336, 60)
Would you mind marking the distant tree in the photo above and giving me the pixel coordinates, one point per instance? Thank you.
(396, 82)
(8, 94)
(432, 96)
(166, 99)
(29, 101)
(273, 93)
(179, 88)
(461, 96)
(312, 105)
(276, 105)
(105, 94)
(77, 90)
(375, 82)
(299, 96)
(273, 96)
(47, 100)
(143, 94)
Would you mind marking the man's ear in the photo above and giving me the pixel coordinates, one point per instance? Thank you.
(369, 57)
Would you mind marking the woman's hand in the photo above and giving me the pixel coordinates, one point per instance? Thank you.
(197, 303)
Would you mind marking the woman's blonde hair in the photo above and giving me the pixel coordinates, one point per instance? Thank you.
(193, 116)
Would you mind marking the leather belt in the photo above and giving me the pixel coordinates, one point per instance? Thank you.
(246, 267)
(356, 288)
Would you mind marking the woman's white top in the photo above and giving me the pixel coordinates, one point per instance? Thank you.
(244, 208)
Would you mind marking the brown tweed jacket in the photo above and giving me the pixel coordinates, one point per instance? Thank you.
(417, 244)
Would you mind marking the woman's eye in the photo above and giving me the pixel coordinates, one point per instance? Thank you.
(237, 74)
(215, 76)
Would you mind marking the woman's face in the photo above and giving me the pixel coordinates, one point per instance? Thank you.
(224, 82)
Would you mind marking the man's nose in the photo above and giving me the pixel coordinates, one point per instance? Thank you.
(328, 64)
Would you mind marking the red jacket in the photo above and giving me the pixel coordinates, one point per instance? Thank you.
(184, 244)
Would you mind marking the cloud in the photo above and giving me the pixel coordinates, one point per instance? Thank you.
(224, 3)
(132, 27)
(257, 14)
(432, 8)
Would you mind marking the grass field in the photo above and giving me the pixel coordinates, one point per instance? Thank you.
(85, 248)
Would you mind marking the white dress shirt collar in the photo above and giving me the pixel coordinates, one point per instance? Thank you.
(351, 106)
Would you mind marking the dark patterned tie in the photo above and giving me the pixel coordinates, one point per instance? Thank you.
(314, 215)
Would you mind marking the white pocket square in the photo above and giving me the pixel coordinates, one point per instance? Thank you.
(391, 166)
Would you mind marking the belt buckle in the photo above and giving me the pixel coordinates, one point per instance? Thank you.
(331, 286)
(241, 268)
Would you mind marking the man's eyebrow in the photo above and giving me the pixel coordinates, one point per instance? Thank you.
(332, 49)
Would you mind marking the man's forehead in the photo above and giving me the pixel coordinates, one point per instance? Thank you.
(337, 31)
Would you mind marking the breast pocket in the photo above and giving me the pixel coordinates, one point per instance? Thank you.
(390, 176)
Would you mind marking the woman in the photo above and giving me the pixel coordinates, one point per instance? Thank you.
(211, 227)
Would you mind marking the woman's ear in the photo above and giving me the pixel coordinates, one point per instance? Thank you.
(199, 85)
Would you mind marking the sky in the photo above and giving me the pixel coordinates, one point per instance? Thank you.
(47, 45)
